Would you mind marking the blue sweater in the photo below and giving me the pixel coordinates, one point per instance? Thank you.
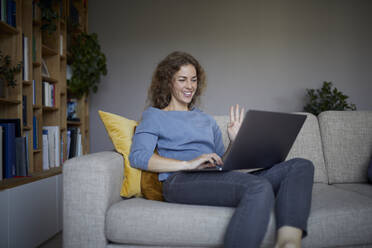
(181, 135)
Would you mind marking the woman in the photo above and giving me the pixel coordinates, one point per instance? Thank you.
(186, 138)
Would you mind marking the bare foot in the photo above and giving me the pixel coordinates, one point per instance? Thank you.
(289, 237)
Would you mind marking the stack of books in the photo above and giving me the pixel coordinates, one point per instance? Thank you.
(48, 97)
(51, 147)
(14, 157)
(8, 10)
(74, 143)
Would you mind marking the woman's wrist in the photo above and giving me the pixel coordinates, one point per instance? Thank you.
(185, 165)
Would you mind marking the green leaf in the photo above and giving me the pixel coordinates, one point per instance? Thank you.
(326, 98)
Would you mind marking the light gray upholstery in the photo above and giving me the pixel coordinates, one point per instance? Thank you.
(309, 145)
(347, 144)
(169, 224)
(338, 218)
(341, 214)
(360, 188)
(334, 211)
(91, 184)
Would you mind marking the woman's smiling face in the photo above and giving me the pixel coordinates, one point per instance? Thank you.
(184, 85)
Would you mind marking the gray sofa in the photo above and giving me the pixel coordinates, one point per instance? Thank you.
(338, 143)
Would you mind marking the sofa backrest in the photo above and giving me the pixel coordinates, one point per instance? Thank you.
(347, 144)
(307, 145)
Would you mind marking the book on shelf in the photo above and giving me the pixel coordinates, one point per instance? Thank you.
(33, 49)
(33, 92)
(20, 150)
(45, 150)
(35, 127)
(79, 147)
(8, 10)
(24, 110)
(44, 69)
(68, 142)
(1, 153)
(17, 124)
(74, 15)
(27, 137)
(61, 44)
(74, 142)
(53, 134)
(72, 110)
(48, 97)
(3, 10)
(61, 148)
(9, 154)
(11, 13)
(61, 14)
(25, 57)
(34, 10)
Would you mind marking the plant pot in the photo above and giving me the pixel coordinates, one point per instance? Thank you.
(3, 89)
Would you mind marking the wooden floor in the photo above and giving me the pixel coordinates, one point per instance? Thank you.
(54, 242)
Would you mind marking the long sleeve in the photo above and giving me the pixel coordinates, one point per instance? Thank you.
(144, 141)
(218, 142)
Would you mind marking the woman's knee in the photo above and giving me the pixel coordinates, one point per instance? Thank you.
(302, 165)
(260, 187)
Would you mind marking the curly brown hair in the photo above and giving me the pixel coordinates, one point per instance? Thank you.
(159, 94)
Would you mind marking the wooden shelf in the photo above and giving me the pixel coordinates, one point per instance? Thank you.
(26, 128)
(73, 123)
(47, 51)
(26, 83)
(7, 29)
(9, 101)
(45, 108)
(49, 79)
(41, 49)
(17, 181)
(36, 64)
(36, 22)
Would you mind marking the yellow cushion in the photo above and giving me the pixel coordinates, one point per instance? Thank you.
(121, 131)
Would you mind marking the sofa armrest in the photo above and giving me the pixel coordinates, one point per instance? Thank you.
(91, 184)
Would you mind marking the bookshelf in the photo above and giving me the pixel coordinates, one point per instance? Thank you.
(43, 50)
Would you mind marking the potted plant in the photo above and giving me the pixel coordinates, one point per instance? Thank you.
(88, 63)
(48, 16)
(326, 98)
(7, 72)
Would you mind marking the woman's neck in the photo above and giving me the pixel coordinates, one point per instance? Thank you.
(172, 106)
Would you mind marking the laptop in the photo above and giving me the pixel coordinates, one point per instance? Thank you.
(264, 139)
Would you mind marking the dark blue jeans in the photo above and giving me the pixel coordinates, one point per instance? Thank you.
(288, 185)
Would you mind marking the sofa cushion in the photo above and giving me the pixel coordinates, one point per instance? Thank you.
(145, 222)
(120, 131)
(361, 188)
(135, 182)
(347, 144)
(307, 145)
(338, 217)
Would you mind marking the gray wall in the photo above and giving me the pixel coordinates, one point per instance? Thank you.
(262, 54)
